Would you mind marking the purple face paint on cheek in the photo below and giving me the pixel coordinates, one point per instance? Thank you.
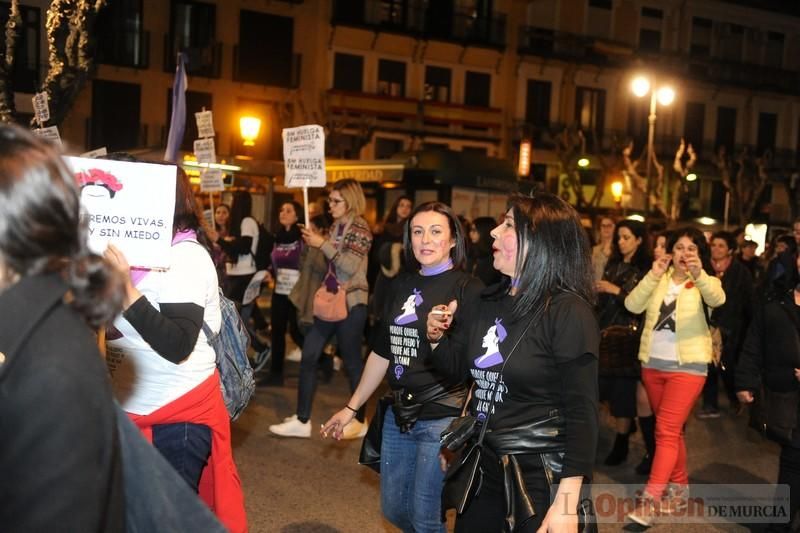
(509, 246)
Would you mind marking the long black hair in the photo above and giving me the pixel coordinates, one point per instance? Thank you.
(484, 227)
(458, 253)
(391, 216)
(699, 239)
(241, 208)
(41, 230)
(641, 258)
(553, 252)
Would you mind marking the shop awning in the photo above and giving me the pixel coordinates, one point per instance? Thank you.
(364, 171)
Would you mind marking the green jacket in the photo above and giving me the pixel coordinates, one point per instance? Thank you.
(691, 330)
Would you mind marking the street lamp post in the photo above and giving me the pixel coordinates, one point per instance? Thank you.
(664, 95)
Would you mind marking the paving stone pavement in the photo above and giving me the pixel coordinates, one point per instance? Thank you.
(316, 486)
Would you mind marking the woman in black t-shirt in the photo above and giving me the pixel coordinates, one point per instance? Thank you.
(425, 401)
(549, 379)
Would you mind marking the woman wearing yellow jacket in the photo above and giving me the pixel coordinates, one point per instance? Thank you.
(675, 350)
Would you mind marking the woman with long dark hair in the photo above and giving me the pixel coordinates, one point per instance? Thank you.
(346, 250)
(285, 270)
(674, 351)
(530, 348)
(628, 263)
(60, 458)
(387, 253)
(222, 216)
(163, 368)
(480, 259)
(425, 401)
(240, 245)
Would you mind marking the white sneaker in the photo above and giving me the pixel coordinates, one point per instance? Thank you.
(355, 430)
(294, 356)
(292, 427)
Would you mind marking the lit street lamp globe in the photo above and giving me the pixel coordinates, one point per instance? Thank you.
(640, 86)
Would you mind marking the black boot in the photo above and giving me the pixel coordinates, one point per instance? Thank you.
(648, 427)
(620, 450)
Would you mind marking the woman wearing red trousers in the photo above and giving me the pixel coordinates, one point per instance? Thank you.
(675, 351)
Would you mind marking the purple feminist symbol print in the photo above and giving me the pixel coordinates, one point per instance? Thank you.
(398, 371)
(491, 341)
(409, 313)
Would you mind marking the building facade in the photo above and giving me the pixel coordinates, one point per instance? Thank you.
(393, 76)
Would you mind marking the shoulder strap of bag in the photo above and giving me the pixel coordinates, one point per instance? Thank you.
(500, 374)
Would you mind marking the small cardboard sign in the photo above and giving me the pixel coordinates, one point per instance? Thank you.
(131, 205)
(205, 124)
(96, 153)
(48, 134)
(41, 109)
(211, 180)
(204, 151)
(304, 156)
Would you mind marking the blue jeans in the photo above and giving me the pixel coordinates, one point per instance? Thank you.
(186, 447)
(349, 334)
(157, 500)
(411, 478)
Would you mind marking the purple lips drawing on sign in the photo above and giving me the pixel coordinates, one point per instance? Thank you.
(491, 341)
(409, 313)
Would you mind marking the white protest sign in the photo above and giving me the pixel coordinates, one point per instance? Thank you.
(254, 287)
(204, 151)
(304, 156)
(130, 205)
(40, 108)
(96, 153)
(211, 180)
(48, 134)
(205, 124)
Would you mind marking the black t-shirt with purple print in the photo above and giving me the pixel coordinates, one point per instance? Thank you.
(554, 366)
(401, 336)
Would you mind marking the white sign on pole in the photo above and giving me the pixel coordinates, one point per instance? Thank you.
(48, 134)
(130, 205)
(304, 156)
(204, 151)
(205, 124)
(96, 153)
(211, 180)
(41, 109)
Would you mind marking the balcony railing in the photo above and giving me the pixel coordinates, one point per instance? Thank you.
(205, 61)
(124, 48)
(585, 49)
(719, 71)
(407, 115)
(572, 47)
(261, 74)
(413, 18)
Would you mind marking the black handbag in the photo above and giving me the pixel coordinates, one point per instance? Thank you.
(619, 350)
(370, 454)
(464, 476)
(774, 414)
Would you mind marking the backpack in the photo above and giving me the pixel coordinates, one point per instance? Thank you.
(230, 345)
(266, 241)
